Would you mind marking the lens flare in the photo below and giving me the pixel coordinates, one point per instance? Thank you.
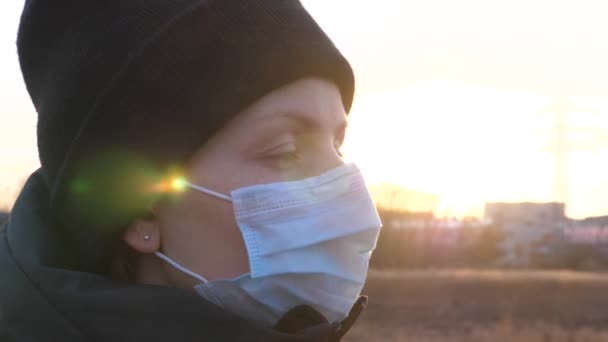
(171, 185)
(179, 184)
(80, 186)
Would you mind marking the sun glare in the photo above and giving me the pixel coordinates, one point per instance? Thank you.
(464, 143)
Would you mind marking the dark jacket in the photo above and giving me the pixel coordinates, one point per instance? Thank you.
(42, 300)
(3, 217)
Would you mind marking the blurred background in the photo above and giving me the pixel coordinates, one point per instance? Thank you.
(482, 128)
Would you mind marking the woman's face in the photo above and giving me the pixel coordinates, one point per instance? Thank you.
(292, 133)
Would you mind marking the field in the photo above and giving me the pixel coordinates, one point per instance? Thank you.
(437, 306)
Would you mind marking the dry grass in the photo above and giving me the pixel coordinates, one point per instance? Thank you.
(480, 306)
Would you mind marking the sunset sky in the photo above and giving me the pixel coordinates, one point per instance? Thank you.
(453, 98)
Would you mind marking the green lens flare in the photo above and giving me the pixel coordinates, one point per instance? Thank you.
(80, 186)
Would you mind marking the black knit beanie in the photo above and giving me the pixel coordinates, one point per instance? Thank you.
(128, 90)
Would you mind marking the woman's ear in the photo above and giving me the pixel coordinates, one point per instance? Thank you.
(143, 235)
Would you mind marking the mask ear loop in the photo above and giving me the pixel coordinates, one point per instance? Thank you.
(181, 268)
(171, 261)
(209, 192)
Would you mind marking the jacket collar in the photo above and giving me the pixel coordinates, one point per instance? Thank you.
(304, 319)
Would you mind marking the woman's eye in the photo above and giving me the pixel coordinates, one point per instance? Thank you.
(286, 154)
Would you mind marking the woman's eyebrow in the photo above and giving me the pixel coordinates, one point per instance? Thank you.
(315, 122)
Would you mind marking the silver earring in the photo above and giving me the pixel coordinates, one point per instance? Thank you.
(146, 237)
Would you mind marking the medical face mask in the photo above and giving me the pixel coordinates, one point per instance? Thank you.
(309, 241)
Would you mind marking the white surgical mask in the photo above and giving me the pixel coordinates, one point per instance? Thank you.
(308, 241)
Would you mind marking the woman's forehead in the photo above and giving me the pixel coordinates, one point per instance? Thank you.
(311, 101)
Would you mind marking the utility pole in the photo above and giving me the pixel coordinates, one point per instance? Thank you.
(567, 138)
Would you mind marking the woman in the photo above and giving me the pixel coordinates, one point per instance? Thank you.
(191, 186)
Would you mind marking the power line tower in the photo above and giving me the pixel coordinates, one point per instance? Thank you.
(566, 138)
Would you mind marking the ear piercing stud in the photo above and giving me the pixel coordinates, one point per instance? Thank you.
(146, 237)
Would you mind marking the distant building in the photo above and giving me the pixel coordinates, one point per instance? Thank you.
(527, 225)
(430, 230)
(592, 230)
(390, 196)
(393, 219)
